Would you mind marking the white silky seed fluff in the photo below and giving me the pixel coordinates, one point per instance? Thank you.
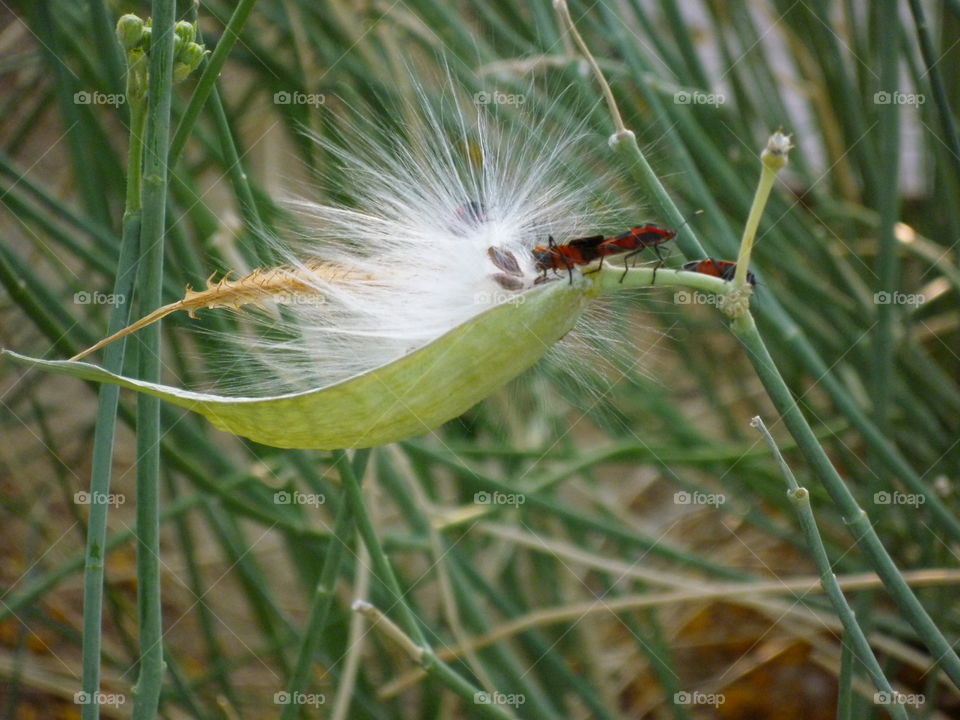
(410, 231)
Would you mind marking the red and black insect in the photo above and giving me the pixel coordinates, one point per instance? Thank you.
(552, 256)
(584, 251)
(723, 269)
(634, 241)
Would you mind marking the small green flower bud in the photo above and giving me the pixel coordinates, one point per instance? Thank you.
(129, 31)
(145, 38)
(187, 61)
(187, 32)
(775, 154)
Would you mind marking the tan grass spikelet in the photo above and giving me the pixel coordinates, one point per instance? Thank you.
(278, 284)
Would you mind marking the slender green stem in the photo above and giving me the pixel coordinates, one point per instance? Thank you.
(138, 123)
(425, 657)
(320, 605)
(791, 335)
(854, 516)
(629, 151)
(207, 81)
(381, 563)
(564, 12)
(887, 199)
(234, 166)
(773, 158)
(415, 638)
(799, 497)
(107, 422)
(624, 142)
(154, 198)
(940, 95)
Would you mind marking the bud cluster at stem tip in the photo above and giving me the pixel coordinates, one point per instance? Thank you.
(134, 36)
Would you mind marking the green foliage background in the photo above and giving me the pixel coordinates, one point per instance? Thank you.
(868, 205)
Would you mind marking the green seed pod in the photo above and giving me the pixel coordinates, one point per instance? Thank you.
(422, 389)
(410, 396)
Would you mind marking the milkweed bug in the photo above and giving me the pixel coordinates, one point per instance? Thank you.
(723, 269)
(635, 240)
(585, 250)
(552, 256)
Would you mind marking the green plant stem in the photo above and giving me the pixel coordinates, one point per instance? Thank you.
(798, 346)
(625, 144)
(103, 437)
(629, 151)
(888, 138)
(322, 601)
(154, 199)
(207, 89)
(138, 123)
(234, 166)
(940, 95)
(791, 335)
(768, 174)
(799, 497)
(208, 79)
(855, 518)
(425, 656)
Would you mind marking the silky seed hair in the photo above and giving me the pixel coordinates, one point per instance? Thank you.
(413, 246)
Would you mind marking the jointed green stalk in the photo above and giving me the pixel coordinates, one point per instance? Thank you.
(107, 416)
(854, 516)
(154, 196)
(788, 332)
(744, 327)
(416, 641)
(800, 499)
(624, 142)
(322, 600)
(887, 200)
